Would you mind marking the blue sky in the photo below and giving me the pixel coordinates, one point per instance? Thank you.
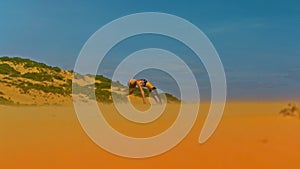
(258, 41)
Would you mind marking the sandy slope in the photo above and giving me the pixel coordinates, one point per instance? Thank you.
(12, 92)
(250, 135)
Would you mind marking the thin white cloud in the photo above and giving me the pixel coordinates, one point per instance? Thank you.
(230, 26)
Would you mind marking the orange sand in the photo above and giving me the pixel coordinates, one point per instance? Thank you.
(250, 135)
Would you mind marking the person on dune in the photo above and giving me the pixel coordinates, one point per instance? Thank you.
(140, 83)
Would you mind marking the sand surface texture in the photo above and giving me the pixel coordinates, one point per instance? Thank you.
(250, 135)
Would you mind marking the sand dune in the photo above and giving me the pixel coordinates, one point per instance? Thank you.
(250, 135)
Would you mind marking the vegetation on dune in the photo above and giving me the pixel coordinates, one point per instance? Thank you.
(46, 73)
(106, 97)
(67, 85)
(8, 70)
(103, 85)
(117, 84)
(26, 86)
(119, 98)
(137, 92)
(291, 110)
(42, 76)
(171, 98)
(85, 90)
(99, 91)
(102, 79)
(58, 77)
(106, 83)
(49, 80)
(5, 101)
(103, 96)
(7, 78)
(29, 63)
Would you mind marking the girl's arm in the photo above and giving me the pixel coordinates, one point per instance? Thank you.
(142, 92)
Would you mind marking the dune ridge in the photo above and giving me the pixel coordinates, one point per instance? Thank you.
(27, 82)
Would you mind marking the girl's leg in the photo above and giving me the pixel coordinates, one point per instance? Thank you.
(155, 95)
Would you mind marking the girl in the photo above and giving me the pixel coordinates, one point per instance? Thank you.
(140, 83)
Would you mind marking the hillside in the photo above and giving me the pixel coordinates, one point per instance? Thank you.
(23, 81)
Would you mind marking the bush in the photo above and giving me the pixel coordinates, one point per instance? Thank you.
(171, 97)
(26, 86)
(8, 70)
(86, 90)
(117, 84)
(102, 79)
(5, 101)
(7, 78)
(29, 63)
(103, 96)
(38, 76)
(136, 92)
(56, 69)
(103, 85)
(58, 77)
(5, 58)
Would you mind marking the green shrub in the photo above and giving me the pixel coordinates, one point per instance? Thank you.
(29, 63)
(117, 84)
(56, 69)
(5, 101)
(86, 90)
(5, 58)
(103, 85)
(171, 97)
(26, 86)
(103, 96)
(102, 79)
(8, 70)
(7, 78)
(42, 76)
(32, 64)
(78, 76)
(136, 92)
(66, 85)
(58, 77)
